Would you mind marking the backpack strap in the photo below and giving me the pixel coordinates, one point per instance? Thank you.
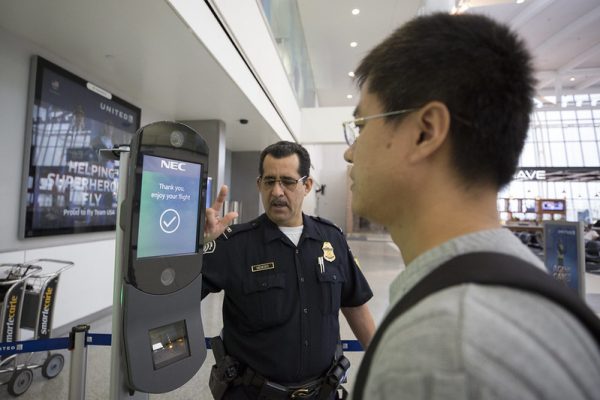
(482, 268)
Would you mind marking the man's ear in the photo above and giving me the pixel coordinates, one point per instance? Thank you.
(308, 184)
(433, 123)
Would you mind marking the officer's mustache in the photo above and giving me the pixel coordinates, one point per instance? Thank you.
(279, 203)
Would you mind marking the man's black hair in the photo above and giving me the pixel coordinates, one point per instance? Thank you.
(478, 68)
(284, 149)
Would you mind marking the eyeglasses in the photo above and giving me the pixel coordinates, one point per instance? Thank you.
(287, 183)
(352, 128)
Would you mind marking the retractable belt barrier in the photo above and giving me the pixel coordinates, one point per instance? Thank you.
(98, 339)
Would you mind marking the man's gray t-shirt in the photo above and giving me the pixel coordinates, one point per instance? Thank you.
(476, 342)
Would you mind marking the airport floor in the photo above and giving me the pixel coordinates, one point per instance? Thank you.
(380, 261)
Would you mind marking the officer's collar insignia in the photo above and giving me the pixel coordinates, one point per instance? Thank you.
(227, 230)
(263, 267)
(328, 253)
(209, 247)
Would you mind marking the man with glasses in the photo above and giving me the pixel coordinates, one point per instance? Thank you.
(443, 116)
(286, 275)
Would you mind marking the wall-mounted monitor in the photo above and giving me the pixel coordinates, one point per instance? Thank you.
(67, 186)
(553, 205)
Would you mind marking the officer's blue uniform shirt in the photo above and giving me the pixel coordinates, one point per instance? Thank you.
(281, 308)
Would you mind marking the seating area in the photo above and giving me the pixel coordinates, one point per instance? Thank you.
(592, 256)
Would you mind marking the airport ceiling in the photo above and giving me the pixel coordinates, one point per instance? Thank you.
(564, 36)
(139, 50)
(128, 47)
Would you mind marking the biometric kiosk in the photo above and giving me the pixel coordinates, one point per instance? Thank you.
(158, 337)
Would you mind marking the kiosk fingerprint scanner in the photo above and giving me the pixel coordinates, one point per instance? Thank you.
(162, 218)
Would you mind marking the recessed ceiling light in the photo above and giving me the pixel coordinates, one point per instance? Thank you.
(572, 78)
(353, 44)
(355, 11)
(520, 1)
(351, 74)
(349, 96)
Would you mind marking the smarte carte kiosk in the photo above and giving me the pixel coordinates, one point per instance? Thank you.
(159, 255)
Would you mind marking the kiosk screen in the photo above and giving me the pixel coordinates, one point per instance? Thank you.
(169, 201)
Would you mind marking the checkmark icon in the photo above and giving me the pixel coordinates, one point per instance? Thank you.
(167, 224)
(169, 220)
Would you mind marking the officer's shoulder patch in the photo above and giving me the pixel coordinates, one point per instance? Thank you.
(233, 230)
(327, 222)
(209, 247)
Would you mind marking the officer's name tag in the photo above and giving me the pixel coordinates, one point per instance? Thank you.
(263, 267)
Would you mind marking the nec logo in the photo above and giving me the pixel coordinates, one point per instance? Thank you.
(176, 165)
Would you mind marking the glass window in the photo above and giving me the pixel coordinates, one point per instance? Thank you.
(528, 155)
(561, 138)
(581, 99)
(574, 158)
(516, 189)
(550, 191)
(587, 133)
(285, 25)
(594, 189)
(545, 155)
(536, 135)
(580, 204)
(568, 116)
(559, 159)
(571, 134)
(584, 115)
(590, 154)
(555, 134)
(578, 189)
(531, 190)
(553, 115)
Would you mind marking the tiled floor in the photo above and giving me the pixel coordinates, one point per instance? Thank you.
(380, 261)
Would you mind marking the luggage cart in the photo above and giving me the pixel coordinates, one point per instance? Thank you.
(36, 283)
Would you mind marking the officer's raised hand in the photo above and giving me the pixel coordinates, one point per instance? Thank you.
(216, 225)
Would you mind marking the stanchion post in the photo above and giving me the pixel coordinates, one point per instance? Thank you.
(78, 362)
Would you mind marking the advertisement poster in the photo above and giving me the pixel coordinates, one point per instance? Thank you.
(69, 187)
(564, 255)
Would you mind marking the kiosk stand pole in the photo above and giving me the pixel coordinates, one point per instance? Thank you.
(78, 362)
(118, 389)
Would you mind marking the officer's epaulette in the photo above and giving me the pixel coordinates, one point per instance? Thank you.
(326, 222)
(233, 230)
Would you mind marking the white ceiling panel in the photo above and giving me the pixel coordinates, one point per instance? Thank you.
(141, 51)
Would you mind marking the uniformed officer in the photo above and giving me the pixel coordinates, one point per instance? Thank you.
(286, 275)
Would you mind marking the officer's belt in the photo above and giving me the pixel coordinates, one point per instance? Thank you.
(275, 391)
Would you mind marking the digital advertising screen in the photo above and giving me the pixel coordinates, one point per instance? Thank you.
(564, 254)
(67, 186)
(553, 205)
(169, 207)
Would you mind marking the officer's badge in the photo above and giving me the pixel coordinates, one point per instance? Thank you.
(328, 253)
(209, 247)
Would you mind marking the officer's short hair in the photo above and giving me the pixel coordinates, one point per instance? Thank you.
(478, 68)
(284, 149)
